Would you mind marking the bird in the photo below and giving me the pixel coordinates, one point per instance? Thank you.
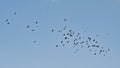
(63, 45)
(33, 30)
(61, 41)
(15, 13)
(96, 41)
(27, 26)
(93, 39)
(65, 37)
(8, 23)
(56, 45)
(6, 20)
(34, 41)
(63, 34)
(108, 49)
(36, 22)
(65, 19)
(67, 41)
(52, 30)
(94, 53)
(89, 38)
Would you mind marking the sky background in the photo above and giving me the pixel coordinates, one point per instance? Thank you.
(17, 49)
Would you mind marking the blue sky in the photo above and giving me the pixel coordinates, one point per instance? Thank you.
(17, 49)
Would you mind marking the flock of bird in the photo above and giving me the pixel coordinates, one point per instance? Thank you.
(33, 28)
(77, 41)
(7, 20)
(74, 39)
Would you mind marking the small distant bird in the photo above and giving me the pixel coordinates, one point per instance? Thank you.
(59, 31)
(96, 41)
(65, 19)
(90, 50)
(67, 41)
(65, 37)
(97, 35)
(101, 50)
(70, 30)
(63, 34)
(56, 45)
(71, 35)
(108, 49)
(14, 13)
(89, 38)
(65, 27)
(88, 46)
(8, 23)
(52, 30)
(97, 46)
(27, 26)
(63, 45)
(94, 53)
(36, 22)
(61, 41)
(33, 30)
(34, 41)
(93, 39)
(6, 20)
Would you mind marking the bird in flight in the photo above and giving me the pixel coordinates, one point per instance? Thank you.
(65, 19)
(27, 26)
(8, 23)
(14, 13)
(6, 20)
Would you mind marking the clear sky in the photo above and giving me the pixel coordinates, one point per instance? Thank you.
(17, 49)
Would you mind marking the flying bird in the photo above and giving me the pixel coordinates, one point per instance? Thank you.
(6, 20)
(14, 13)
(34, 41)
(65, 19)
(8, 23)
(27, 26)
(33, 30)
(36, 22)
(52, 30)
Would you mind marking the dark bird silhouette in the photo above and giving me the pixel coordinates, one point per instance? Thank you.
(67, 41)
(65, 19)
(65, 37)
(34, 41)
(63, 44)
(94, 53)
(27, 26)
(108, 49)
(89, 38)
(52, 30)
(33, 30)
(96, 41)
(93, 39)
(8, 23)
(15, 13)
(61, 41)
(63, 34)
(6, 20)
(36, 22)
(56, 45)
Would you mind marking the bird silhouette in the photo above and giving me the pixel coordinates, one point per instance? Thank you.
(15, 13)
(8, 23)
(34, 41)
(27, 26)
(6, 20)
(52, 30)
(65, 19)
